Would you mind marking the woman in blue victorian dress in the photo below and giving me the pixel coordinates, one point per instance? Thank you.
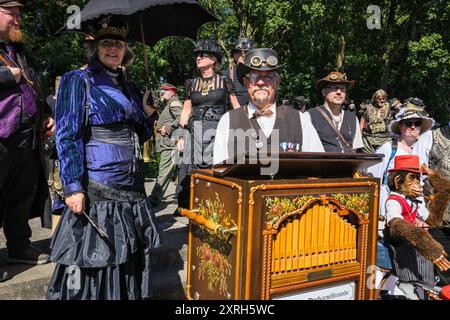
(102, 243)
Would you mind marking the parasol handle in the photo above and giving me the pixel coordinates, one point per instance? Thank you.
(143, 42)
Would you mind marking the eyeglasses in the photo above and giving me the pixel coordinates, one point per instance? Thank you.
(203, 55)
(254, 78)
(14, 14)
(336, 88)
(257, 61)
(112, 43)
(410, 123)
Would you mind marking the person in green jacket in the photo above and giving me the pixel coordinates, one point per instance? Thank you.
(167, 124)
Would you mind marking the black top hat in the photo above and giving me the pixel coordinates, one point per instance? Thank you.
(111, 27)
(243, 44)
(208, 46)
(262, 59)
(8, 3)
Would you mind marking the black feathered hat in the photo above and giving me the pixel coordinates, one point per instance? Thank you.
(208, 46)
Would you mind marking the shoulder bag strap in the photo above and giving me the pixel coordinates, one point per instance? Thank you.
(334, 127)
(393, 152)
(86, 102)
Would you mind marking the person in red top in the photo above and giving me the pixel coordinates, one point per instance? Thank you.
(408, 220)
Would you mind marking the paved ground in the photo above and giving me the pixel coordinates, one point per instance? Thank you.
(30, 282)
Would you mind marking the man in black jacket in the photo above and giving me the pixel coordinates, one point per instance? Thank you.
(24, 122)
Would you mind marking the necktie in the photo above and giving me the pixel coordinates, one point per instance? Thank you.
(262, 113)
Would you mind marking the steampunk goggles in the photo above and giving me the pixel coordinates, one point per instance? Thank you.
(257, 61)
(342, 77)
(244, 46)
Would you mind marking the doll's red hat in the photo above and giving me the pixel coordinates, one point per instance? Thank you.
(410, 163)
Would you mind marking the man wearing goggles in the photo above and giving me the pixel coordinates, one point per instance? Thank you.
(261, 120)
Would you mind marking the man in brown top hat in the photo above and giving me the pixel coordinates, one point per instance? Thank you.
(24, 122)
(338, 129)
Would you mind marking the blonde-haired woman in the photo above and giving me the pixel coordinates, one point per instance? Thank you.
(207, 98)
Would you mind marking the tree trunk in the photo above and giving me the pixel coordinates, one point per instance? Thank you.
(341, 54)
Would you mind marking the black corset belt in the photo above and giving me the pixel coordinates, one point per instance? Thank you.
(208, 113)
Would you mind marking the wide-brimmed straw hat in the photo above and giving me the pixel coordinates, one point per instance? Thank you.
(411, 109)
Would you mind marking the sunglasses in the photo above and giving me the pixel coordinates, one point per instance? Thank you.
(112, 43)
(410, 123)
(336, 88)
(254, 78)
(203, 55)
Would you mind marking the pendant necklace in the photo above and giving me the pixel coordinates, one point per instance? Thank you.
(205, 86)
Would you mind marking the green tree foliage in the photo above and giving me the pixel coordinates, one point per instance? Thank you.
(409, 56)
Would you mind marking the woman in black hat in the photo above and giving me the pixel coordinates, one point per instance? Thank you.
(102, 243)
(206, 101)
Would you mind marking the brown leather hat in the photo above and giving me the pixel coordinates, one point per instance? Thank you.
(7, 3)
(334, 77)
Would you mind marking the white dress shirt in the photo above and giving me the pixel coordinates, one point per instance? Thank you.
(310, 139)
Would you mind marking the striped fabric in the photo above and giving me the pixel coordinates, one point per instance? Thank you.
(411, 266)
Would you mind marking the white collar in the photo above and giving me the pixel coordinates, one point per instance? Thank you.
(252, 108)
(329, 109)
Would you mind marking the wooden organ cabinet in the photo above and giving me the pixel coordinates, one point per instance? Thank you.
(276, 237)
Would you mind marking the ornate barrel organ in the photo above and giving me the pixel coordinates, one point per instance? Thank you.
(281, 239)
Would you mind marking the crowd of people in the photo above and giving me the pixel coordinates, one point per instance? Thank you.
(100, 121)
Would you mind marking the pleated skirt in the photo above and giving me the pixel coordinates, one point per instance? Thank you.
(89, 267)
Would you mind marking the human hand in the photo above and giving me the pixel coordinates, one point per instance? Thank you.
(75, 202)
(47, 128)
(148, 108)
(180, 145)
(163, 131)
(17, 73)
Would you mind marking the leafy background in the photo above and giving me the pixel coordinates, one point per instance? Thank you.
(408, 56)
